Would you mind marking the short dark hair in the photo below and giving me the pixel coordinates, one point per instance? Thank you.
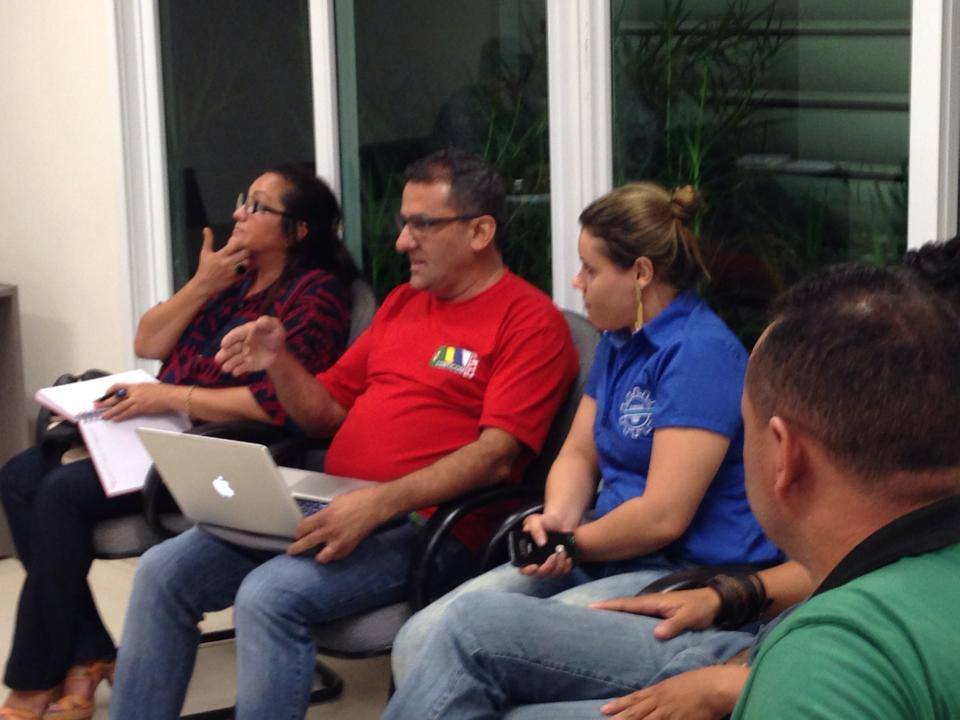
(938, 265)
(476, 187)
(867, 361)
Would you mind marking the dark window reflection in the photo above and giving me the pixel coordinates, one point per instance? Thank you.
(792, 118)
(237, 98)
(425, 75)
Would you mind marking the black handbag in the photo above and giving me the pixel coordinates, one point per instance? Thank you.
(55, 436)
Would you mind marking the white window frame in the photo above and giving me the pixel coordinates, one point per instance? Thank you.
(934, 121)
(580, 127)
(144, 201)
(326, 122)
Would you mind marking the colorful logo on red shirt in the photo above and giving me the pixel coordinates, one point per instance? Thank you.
(462, 362)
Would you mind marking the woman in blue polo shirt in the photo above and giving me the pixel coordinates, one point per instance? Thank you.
(658, 428)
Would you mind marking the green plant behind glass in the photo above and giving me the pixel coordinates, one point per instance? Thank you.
(688, 101)
(385, 267)
(698, 84)
(500, 115)
(701, 80)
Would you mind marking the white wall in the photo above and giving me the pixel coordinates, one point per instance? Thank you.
(60, 212)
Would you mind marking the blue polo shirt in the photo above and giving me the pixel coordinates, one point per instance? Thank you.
(683, 369)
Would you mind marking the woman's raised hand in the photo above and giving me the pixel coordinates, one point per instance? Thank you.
(217, 269)
(253, 346)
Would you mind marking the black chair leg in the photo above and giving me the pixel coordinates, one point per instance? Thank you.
(330, 689)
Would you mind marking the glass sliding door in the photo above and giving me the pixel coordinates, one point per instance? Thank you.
(236, 98)
(420, 75)
(792, 118)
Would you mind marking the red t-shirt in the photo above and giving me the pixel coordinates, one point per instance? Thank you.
(428, 375)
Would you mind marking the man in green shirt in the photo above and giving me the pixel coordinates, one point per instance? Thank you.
(851, 416)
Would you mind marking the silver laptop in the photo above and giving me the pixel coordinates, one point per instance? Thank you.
(235, 489)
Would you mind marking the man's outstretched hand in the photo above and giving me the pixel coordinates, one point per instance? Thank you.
(253, 346)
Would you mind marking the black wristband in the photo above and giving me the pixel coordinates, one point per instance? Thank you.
(742, 599)
(570, 547)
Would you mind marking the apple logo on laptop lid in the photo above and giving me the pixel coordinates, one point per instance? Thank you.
(222, 486)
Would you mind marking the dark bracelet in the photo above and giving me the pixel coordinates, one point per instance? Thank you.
(569, 544)
(742, 599)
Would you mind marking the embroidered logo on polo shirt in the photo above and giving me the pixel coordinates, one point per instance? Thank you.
(636, 413)
(458, 360)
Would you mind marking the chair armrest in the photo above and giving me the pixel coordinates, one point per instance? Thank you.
(441, 524)
(494, 547)
(246, 430)
(696, 577)
(286, 449)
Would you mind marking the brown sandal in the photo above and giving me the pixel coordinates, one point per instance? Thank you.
(78, 707)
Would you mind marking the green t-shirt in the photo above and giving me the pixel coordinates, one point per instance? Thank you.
(885, 645)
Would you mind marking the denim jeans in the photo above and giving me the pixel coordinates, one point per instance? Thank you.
(584, 585)
(277, 599)
(493, 652)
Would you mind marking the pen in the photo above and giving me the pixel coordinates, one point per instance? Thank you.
(120, 394)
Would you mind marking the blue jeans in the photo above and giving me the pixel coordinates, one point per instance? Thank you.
(493, 652)
(586, 584)
(277, 599)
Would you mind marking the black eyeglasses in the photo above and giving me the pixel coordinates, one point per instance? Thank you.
(420, 224)
(253, 207)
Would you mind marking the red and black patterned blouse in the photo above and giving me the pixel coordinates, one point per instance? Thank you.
(314, 309)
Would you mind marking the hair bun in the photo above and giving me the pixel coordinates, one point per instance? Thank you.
(685, 202)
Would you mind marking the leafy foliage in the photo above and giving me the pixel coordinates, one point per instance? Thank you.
(689, 106)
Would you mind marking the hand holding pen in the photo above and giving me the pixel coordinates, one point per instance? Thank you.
(122, 402)
(110, 399)
(119, 394)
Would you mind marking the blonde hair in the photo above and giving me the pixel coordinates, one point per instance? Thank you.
(643, 219)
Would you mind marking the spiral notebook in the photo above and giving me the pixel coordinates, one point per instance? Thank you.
(120, 459)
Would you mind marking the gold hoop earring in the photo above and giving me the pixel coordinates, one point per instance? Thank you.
(638, 325)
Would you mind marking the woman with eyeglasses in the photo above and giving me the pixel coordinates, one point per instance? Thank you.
(284, 258)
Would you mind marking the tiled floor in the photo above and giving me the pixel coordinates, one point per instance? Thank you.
(214, 680)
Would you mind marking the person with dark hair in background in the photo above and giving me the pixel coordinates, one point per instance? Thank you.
(857, 480)
(293, 266)
(938, 265)
(452, 388)
(659, 423)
